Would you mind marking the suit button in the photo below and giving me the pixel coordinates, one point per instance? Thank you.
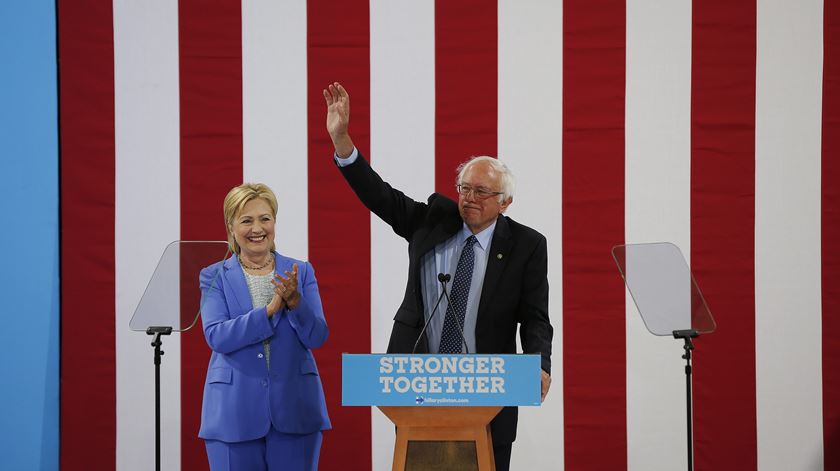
(259, 355)
(265, 383)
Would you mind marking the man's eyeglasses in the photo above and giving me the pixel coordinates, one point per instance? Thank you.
(479, 193)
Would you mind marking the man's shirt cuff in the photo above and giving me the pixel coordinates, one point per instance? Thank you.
(349, 160)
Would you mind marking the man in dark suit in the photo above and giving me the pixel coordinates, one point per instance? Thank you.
(498, 266)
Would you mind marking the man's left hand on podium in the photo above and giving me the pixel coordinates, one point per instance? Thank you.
(546, 383)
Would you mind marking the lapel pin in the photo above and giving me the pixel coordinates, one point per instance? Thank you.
(499, 256)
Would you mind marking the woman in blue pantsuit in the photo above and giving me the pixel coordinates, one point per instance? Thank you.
(263, 406)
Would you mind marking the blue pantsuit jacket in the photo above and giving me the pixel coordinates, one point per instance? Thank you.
(242, 397)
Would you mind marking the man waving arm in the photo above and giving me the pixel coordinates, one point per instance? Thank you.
(399, 211)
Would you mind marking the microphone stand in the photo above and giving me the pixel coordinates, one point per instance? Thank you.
(442, 279)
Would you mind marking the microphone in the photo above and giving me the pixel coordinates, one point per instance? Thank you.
(443, 279)
(460, 327)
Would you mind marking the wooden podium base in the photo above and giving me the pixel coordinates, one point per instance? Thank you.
(445, 435)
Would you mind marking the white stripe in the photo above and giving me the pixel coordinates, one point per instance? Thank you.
(402, 102)
(529, 140)
(146, 220)
(657, 192)
(787, 235)
(274, 111)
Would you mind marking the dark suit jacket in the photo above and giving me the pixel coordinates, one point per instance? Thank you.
(515, 287)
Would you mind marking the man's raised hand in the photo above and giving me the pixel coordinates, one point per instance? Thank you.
(338, 118)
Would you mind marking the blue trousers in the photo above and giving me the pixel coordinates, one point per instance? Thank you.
(274, 452)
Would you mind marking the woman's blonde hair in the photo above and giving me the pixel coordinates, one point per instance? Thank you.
(237, 198)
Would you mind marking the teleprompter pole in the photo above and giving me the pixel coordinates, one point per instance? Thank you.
(157, 331)
(687, 335)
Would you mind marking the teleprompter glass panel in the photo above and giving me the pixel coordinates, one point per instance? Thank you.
(663, 288)
(173, 298)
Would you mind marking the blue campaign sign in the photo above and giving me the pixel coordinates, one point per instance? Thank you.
(440, 380)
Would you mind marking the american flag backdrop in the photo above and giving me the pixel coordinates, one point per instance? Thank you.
(713, 124)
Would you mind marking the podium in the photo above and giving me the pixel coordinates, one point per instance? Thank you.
(441, 405)
(430, 436)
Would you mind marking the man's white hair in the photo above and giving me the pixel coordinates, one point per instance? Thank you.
(505, 175)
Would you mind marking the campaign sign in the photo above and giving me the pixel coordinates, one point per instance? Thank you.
(440, 380)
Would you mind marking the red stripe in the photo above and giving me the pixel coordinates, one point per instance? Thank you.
(88, 345)
(210, 35)
(722, 231)
(339, 226)
(831, 234)
(593, 222)
(466, 103)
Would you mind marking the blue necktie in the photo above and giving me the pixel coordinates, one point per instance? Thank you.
(453, 323)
